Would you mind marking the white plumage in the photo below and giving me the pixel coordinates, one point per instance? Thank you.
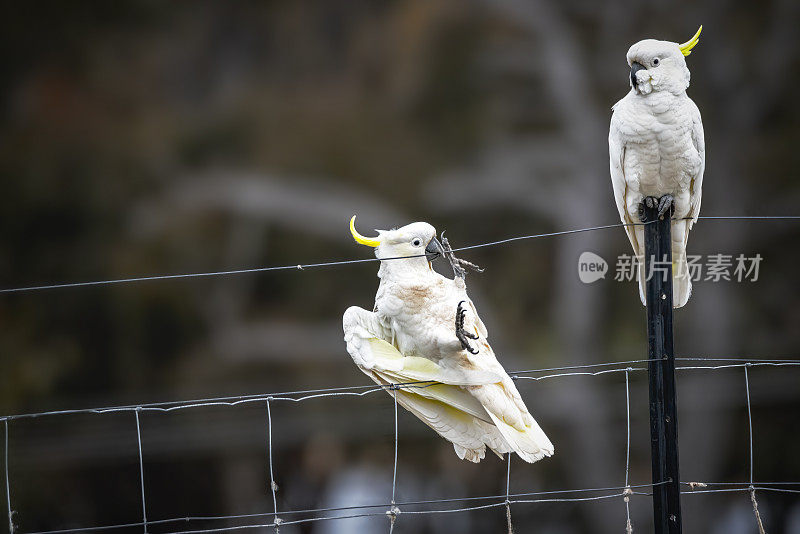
(657, 149)
(410, 336)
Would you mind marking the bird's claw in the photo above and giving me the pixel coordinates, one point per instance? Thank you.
(457, 263)
(647, 202)
(665, 204)
(462, 335)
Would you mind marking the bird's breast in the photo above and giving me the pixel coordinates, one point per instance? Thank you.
(413, 310)
(660, 156)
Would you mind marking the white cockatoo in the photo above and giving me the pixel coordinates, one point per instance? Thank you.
(658, 152)
(424, 332)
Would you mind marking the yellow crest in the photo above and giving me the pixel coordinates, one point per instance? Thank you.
(686, 48)
(360, 238)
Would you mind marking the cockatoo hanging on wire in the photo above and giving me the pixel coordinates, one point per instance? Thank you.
(425, 334)
(658, 152)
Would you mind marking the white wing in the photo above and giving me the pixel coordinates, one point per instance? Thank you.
(696, 186)
(507, 410)
(471, 407)
(447, 408)
(616, 152)
(500, 399)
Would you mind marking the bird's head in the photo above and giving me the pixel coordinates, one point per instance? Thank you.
(416, 241)
(660, 65)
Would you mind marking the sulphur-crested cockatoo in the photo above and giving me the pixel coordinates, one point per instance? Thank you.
(657, 151)
(424, 330)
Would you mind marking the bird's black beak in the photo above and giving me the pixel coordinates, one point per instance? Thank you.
(635, 67)
(434, 249)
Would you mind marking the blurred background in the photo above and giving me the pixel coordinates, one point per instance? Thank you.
(143, 137)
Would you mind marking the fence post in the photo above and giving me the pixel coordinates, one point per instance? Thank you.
(661, 373)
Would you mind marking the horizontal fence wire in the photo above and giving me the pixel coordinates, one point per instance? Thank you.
(395, 510)
(514, 498)
(300, 266)
(304, 266)
(363, 390)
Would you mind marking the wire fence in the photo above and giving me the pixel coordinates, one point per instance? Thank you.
(335, 263)
(394, 510)
(391, 509)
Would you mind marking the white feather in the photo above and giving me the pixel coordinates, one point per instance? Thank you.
(656, 147)
(468, 399)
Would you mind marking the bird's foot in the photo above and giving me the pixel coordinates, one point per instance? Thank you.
(647, 202)
(665, 205)
(462, 335)
(457, 263)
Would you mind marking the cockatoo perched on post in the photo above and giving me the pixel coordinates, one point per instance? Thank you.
(424, 330)
(657, 151)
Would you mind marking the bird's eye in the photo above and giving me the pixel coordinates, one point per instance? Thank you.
(416, 242)
(656, 61)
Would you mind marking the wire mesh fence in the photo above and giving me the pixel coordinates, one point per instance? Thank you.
(390, 508)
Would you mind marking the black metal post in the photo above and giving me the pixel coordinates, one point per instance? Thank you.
(661, 372)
